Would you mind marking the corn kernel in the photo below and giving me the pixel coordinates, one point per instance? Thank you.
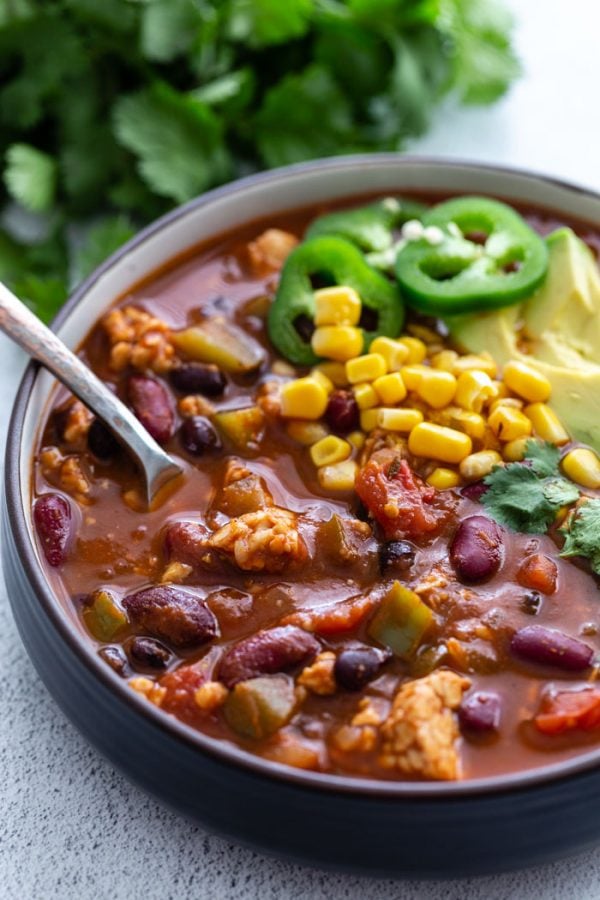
(390, 388)
(306, 433)
(322, 379)
(403, 420)
(436, 442)
(394, 353)
(443, 479)
(339, 305)
(445, 360)
(368, 419)
(303, 398)
(546, 423)
(514, 451)
(508, 424)
(471, 423)
(474, 389)
(365, 368)
(583, 467)
(417, 351)
(339, 477)
(483, 363)
(436, 388)
(411, 375)
(476, 466)
(513, 402)
(335, 371)
(330, 450)
(339, 342)
(356, 439)
(526, 381)
(502, 390)
(365, 395)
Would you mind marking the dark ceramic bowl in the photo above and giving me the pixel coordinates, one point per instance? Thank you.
(428, 829)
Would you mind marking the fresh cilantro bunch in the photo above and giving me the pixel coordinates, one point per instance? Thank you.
(583, 533)
(113, 110)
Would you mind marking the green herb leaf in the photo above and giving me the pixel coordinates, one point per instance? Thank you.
(560, 492)
(30, 177)
(516, 498)
(262, 22)
(583, 533)
(44, 296)
(168, 28)
(102, 239)
(544, 457)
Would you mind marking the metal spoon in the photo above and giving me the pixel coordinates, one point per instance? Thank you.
(20, 324)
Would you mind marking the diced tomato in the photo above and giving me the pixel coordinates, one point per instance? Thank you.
(568, 710)
(538, 572)
(334, 618)
(399, 500)
(183, 683)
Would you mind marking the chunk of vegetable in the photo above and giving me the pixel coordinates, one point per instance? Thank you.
(568, 710)
(220, 342)
(103, 616)
(260, 706)
(243, 427)
(401, 621)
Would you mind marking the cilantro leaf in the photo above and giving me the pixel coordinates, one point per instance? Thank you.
(262, 22)
(560, 492)
(168, 28)
(102, 239)
(30, 177)
(178, 141)
(44, 296)
(583, 533)
(544, 457)
(516, 498)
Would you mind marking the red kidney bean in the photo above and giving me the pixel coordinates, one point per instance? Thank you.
(198, 378)
(149, 653)
(474, 491)
(101, 442)
(266, 652)
(396, 556)
(186, 542)
(53, 522)
(197, 435)
(477, 548)
(480, 711)
(152, 405)
(550, 647)
(173, 615)
(342, 413)
(355, 667)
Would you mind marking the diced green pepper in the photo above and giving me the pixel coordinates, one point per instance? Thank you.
(103, 616)
(221, 342)
(260, 706)
(243, 427)
(370, 227)
(401, 621)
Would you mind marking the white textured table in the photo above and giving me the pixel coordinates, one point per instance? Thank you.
(72, 827)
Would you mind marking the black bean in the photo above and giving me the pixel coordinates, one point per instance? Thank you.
(531, 603)
(149, 653)
(396, 556)
(550, 647)
(115, 658)
(342, 413)
(197, 435)
(101, 442)
(354, 668)
(481, 711)
(477, 549)
(198, 378)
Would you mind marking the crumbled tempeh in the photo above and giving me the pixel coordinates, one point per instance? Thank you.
(383, 440)
(268, 398)
(195, 405)
(268, 252)
(419, 735)
(77, 423)
(355, 739)
(318, 677)
(267, 540)
(367, 714)
(210, 695)
(138, 339)
(235, 470)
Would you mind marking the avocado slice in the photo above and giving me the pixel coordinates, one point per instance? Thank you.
(556, 330)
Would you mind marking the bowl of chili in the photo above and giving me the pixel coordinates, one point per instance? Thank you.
(258, 649)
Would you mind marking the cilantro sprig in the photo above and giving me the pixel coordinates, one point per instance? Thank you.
(583, 533)
(112, 111)
(525, 496)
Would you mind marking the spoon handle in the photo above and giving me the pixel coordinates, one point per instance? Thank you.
(20, 324)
